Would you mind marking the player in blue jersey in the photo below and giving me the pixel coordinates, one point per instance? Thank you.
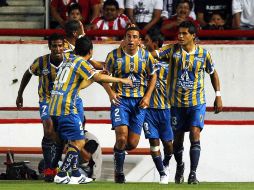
(46, 67)
(157, 124)
(128, 104)
(75, 74)
(188, 63)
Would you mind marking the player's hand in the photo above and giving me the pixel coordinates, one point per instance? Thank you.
(144, 103)
(19, 102)
(217, 104)
(115, 99)
(104, 72)
(127, 81)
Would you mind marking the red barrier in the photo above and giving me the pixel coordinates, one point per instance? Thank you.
(37, 150)
(201, 33)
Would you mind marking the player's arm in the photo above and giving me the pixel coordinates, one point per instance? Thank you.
(25, 80)
(216, 86)
(98, 65)
(144, 103)
(98, 77)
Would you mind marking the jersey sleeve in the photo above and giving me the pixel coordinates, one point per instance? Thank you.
(86, 70)
(129, 4)
(109, 66)
(159, 5)
(34, 69)
(209, 65)
(165, 51)
(151, 65)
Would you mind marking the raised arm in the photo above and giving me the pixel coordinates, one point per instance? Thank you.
(216, 86)
(25, 80)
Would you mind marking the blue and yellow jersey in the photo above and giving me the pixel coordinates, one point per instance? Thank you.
(67, 85)
(159, 98)
(186, 74)
(136, 67)
(68, 47)
(46, 72)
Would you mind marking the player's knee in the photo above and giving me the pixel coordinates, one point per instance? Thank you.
(121, 142)
(154, 148)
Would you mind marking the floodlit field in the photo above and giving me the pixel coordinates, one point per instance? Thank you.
(36, 185)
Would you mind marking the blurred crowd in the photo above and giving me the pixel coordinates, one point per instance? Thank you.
(146, 14)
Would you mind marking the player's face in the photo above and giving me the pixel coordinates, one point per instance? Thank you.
(110, 12)
(132, 40)
(57, 49)
(148, 43)
(185, 37)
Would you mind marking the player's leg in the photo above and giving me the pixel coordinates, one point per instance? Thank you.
(121, 133)
(48, 143)
(178, 118)
(197, 114)
(71, 129)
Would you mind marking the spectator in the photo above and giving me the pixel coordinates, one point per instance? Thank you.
(182, 14)
(243, 14)
(111, 20)
(217, 22)
(75, 12)
(144, 14)
(169, 9)
(205, 8)
(59, 8)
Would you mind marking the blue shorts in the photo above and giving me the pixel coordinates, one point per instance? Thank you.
(184, 118)
(44, 110)
(128, 113)
(157, 124)
(69, 127)
(80, 108)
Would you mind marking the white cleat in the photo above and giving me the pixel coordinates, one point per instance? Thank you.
(164, 180)
(61, 180)
(80, 180)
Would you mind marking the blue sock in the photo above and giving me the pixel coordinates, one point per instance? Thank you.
(47, 145)
(71, 159)
(119, 157)
(159, 165)
(57, 152)
(194, 155)
(178, 154)
(166, 159)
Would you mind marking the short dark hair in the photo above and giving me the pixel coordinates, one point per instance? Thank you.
(83, 45)
(111, 3)
(71, 26)
(55, 36)
(132, 27)
(186, 1)
(156, 36)
(190, 25)
(74, 6)
(91, 146)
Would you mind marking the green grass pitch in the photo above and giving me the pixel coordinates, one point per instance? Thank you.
(36, 185)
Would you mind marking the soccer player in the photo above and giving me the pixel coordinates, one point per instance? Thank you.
(128, 104)
(188, 63)
(74, 75)
(46, 67)
(157, 123)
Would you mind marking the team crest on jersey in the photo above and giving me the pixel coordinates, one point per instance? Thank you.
(132, 66)
(45, 71)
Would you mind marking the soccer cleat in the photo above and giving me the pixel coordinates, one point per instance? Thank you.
(192, 178)
(164, 179)
(82, 179)
(179, 174)
(49, 175)
(62, 180)
(119, 178)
